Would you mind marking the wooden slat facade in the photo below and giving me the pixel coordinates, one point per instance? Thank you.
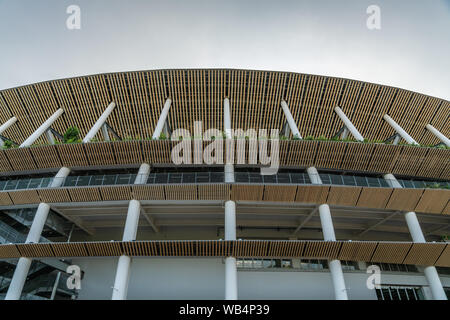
(426, 254)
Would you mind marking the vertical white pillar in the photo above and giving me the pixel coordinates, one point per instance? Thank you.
(143, 173)
(399, 130)
(42, 129)
(438, 135)
(227, 119)
(5, 126)
(23, 265)
(100, 122)
(337, 276)
(290, 120)
(348, 125)
(121, 280)
(230, 262)
(162, 119)
(417, 236)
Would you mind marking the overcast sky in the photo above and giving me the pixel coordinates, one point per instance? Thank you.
(411, 51)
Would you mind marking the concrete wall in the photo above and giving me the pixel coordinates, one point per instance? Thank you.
(203, 278)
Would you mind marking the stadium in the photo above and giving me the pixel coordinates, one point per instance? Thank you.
(93, 205)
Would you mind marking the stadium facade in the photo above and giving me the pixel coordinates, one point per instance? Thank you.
(356, 206)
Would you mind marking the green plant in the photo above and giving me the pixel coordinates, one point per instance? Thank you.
(307, 138)
(162, 136)
(8, 144)
(72, 135)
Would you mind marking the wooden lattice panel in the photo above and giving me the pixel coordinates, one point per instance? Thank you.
(343, 196)
(391, 252)
(72, 155)
(214, 192)
(301, 153)
(87, 194)
(46, 157)
(322, 250)
(116, 193)
(374, 197)
(330, 154)
(279, 193)
(433, 201)
(9, 251)
(409, 160)
(247, 192)
(71, 249)
(312, 194)
(20, 159)
(357, 251)
(383, 158)
(24, 197)
(99, 153)
(404, 199)
(35, 250)
(127, 152)
(54, 195)
(444, 259)
(447, 209)
(424, 255)
(148, 192)
(357, 156)
(434, 163)
(5, 199)
(180, 192)
(157, 151)
(4, 163)
(103, 249)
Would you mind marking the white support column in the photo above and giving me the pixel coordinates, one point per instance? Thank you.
(313, 175)
(100, 122)
(105, 132)
(120, 288)
(23, 265)
(142, 175)
(58, 180)
(290, 120)
(438, 135)
(42, 129)
(50, 136)
(231, 292)
(162, 119)
(340, 291)
(399, 130)
(348, 125)
(5, 126)
(417, 236)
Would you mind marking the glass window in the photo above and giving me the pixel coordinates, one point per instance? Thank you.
(161, 178)
(36, 183)
(109, 179)
(373, 182)
(326, 179)
(270, 178)
(241, 177)
(2, 184)
(83, 181)
(188, 177)
(97, 180)
(419, 184)
(23, 184)
(202, 177)
(361, 181)
(217, 177)
(408, 184)
(283, 178)
(349, 180)
(255, 178)
(175, 177)
(11, 184)
(298, 178)
(71, 181)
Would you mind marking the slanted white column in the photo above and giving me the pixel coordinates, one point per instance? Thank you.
(230, 262)
(42, 129)
(348, 125)
(313, 175)
(23, 265)
(417, 236)
(290, 120)
(434, 131)
(120, 288)
(100, 122)
(5, 126)
(340, 291)
(105, 132)
(50, 136)
(162, 119)
(143, 173)
(399, 130)
(58, 180)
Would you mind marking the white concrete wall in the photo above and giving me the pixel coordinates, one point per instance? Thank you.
(203, 278)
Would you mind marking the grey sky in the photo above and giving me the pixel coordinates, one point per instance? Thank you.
(412, 50)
